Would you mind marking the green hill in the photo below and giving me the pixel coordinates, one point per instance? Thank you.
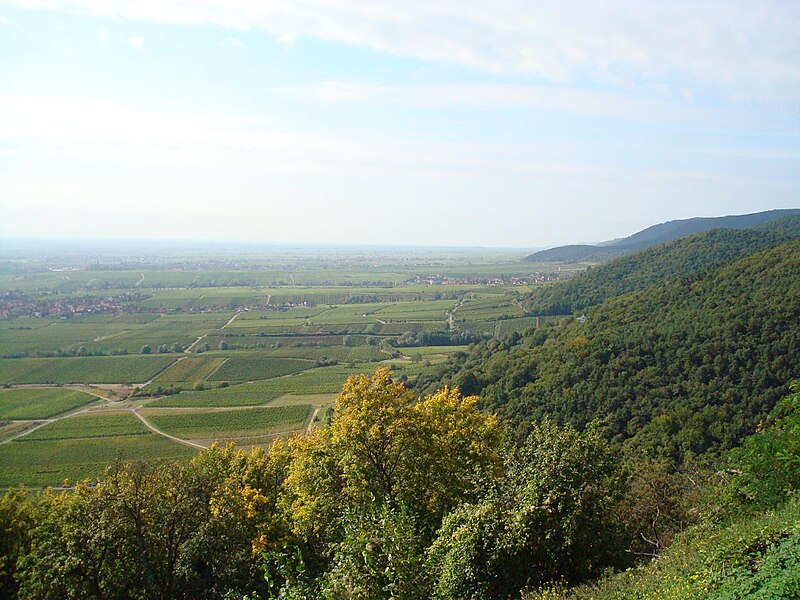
(689, 256)
(656, 234)
(680, 368)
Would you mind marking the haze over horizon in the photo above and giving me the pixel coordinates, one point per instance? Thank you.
(393, 123)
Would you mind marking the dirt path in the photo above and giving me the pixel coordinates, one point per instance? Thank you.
(231, 320)
(146, 383)
(194, 343)
(138, 283)
(311, 422)
(42, 422)
(157, 431)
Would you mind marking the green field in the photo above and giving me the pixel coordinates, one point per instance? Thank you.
(228, 424)
(105, 334)
(40, 403)
(264, 325)
(235, 395)
(251, 368)
(90, 369)
(42, 463)
(189, 370)
(89, 425)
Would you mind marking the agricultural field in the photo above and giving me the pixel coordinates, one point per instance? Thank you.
(50, 462)
(250, 368)
(89, 369)
(247, 394)
(189, 370)
(258, 342)
(90, 425)
(230, 424)
(105, 334)
(40, 403)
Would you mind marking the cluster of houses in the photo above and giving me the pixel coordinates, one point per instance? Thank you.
(487, 279)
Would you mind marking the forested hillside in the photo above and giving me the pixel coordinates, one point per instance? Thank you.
(690, 256)
(656, 234)
(680, 368)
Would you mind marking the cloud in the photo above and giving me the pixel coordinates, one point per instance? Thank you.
(136, 41)
(569, 100)
(732, 44)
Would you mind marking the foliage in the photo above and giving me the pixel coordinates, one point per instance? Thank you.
(770, 459)
(159, 531)
(678, 369)
(689, 256)
(381, 446)
(550, 518)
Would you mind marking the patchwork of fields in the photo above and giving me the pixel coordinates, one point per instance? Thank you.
(196, 356)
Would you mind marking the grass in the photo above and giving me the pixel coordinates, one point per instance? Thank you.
(50, 462)
(89, 425)
(90, 369)
(40, 403)
(231, 423)
(251, 368)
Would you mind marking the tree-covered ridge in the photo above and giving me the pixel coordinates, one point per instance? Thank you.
(680, 368)
(692, 255)
(656, 234)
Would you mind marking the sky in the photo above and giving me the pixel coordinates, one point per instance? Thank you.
(455, 123)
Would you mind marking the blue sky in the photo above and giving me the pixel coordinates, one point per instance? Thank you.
(448, 123)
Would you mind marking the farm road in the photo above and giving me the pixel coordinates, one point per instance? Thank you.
(157, 431)
(42, 422)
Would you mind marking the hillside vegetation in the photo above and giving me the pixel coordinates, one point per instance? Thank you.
(691, 256)
(656, 234)
(682, 367)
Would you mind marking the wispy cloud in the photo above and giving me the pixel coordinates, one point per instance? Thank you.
(569, 100)
(136, 41)
(733, 44)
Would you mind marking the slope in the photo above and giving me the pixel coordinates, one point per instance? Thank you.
(655, 234)
(678, 369)
(689, 256)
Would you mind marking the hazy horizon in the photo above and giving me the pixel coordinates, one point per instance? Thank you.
(404, 124)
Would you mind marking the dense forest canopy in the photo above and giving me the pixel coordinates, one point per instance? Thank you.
(683, 367)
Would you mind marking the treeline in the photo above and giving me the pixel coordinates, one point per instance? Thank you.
(398, 497)
(681, 368)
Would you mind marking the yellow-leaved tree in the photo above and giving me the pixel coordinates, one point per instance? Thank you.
(390, 459)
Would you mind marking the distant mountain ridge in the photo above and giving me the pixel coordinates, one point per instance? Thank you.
(656, 234)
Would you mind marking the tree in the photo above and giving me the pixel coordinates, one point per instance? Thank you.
(419, 459)
(146, 349)
(82, 351)
(18, 515)
(191, 530)
(549, 519)
(223, 345)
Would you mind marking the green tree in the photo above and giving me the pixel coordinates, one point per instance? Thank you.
(550, 519)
